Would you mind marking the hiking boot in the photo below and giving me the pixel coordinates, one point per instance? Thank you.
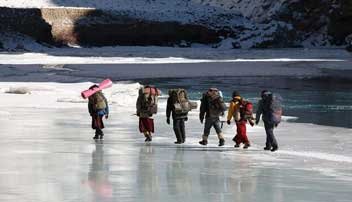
(148, 139)
(267, 148)
(237, 145)
(221, 142)
(178, 142)
(246, 146)
(274, 148)
(203, 142)
(96, 137)
(101, 137)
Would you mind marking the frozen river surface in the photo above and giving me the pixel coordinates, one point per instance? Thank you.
(48, 154)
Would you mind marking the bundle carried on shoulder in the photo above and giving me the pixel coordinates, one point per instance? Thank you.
(148, 98)
(98, 100)
(273, 107)
(215, 101)
(181, 102)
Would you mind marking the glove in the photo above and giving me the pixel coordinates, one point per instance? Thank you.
(107, 116)
(186, 119)
(256, 122)
(276, 125)
(228, 122)
(201, 121)
(138, 114)
(168, 121)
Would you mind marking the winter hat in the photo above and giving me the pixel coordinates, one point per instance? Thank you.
(235, 93)
(265, 93)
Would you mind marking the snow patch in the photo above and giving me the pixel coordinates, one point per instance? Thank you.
(41, 58)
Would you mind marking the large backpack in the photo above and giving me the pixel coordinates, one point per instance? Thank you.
(246, 110)
(216, 104)
(180, 101)
(272, 106)
(149, 99)
(98, 101)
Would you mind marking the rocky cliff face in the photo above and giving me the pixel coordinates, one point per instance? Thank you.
(249, 23)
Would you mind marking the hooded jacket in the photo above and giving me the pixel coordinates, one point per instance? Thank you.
(234, 108)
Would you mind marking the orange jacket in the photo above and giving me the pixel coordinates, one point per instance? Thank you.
(234, 107)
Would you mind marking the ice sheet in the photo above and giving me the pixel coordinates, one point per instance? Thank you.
(47, 154)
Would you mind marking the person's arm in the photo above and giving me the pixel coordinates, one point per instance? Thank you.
(107, 107)
(168, 110)
(138, 106)
(259, 111)
(202, 109)
(231, 111)
(90, 106)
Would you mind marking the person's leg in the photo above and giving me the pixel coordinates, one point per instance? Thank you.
(237, 138)
(96, 127)
(244, 138)
(206, 132)
(216, 124)
(149, 128)
(183, 131)
(101, 126)
(273, 140)
(270, 140)
(177, 130)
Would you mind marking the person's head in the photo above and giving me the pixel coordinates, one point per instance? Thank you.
(235, 94)
(93, 86)
(265, 93)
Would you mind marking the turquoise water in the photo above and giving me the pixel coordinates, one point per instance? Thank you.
(324, 101)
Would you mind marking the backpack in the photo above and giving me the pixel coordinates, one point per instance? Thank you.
(216, 104)
(98, 101)
(272, 107)
(180, 101)
(149, 99)
(246, 110)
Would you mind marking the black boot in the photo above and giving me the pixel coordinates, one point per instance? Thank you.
(97, 133)
(246, 146)
(203, 142)
(221, 142)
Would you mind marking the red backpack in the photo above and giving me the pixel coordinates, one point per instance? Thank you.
(246, 109)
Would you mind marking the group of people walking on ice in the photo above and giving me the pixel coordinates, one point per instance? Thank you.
(212, 107)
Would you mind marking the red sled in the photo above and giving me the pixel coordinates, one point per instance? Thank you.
(107, 83)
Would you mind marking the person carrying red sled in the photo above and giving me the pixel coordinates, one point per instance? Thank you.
(98, 108)
(242, 111)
